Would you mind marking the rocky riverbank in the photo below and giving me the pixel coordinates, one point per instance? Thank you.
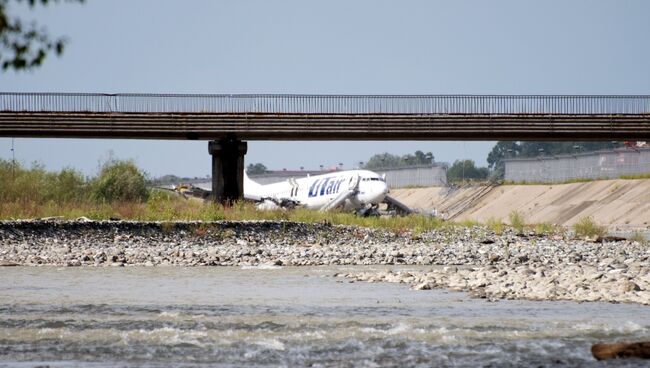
(469, 259)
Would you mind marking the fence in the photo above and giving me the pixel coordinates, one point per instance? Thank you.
(421, 176)
(323, 104)
(594, 165)
(416, 176)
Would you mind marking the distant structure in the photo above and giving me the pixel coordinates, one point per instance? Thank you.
(396, 177)
(433, 175)
(276, 176)
(610, 164)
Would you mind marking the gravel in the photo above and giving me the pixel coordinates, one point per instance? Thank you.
(471, 259)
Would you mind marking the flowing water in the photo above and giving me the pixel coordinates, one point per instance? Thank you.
(232, 317)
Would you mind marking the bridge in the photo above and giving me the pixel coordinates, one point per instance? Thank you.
(228, 120)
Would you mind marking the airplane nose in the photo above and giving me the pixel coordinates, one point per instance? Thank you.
(384, 191)
(375, 193)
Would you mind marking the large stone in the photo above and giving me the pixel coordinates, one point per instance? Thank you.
(630, 286)
(621, 350)
(422, 286)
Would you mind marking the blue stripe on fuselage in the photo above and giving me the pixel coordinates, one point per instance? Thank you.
(324, 186)
(313, 189)
(329, 185)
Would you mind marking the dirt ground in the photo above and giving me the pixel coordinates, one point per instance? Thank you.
(617, 204)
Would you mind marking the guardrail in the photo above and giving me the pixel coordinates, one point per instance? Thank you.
(323, 104)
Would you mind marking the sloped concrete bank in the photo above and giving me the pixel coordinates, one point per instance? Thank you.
(618, 204)
(471, 259)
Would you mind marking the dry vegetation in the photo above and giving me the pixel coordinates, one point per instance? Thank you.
(120, 192)
(587, 227)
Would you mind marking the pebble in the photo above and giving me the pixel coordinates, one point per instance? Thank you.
(473, 259)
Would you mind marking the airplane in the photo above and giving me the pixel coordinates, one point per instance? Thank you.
(359, 190)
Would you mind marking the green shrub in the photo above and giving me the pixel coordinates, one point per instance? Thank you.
(211, 212)
(36, 184)
(545, 228)
(468, 223)
(495, 225)
(66, 186)
(18, 183)
(119, 181)
(160, 206)
(587, 227)
(119, 191)
(517, 221)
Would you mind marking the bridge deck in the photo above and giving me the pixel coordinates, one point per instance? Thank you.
(325, 127)
(318, 117)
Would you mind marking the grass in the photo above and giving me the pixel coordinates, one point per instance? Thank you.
(519, 225)
(638, 237)
(414, 186)
(162, 206)
(587, 227)
(568, 181)
(517, 221)
(545, 228)
(635, 176)
(577, 180)
(467, 223)
(496, 225)
(119, 192)
(166, 206)
(461, 182)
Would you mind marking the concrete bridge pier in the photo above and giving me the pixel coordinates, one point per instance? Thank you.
(227, 169)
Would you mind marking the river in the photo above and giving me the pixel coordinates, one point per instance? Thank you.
(286, 317)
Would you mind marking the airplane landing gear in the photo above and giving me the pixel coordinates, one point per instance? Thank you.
(368, 211)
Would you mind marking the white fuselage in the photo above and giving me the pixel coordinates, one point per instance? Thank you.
(315, 192)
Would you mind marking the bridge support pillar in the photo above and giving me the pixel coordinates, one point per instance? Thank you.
(227, 169)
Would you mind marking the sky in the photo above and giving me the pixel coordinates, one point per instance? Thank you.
(325, 47)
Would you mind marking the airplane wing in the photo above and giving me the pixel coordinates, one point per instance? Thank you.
(353, 188)
(269, 203)
(339, 200)
(253, 197)
(399, 207)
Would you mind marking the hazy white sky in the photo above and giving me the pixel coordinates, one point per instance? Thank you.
(333, 46)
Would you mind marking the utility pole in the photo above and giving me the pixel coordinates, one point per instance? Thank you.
(13, 161)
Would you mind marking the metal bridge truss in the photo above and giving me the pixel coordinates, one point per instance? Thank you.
(324, 117)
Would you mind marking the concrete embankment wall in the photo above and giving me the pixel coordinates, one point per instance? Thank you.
(617, 204)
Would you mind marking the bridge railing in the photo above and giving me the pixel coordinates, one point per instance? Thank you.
(324, 104)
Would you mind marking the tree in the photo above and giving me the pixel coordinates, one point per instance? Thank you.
(466, 169)
(423, 158)
(382, 160)
(118, 181)
(385, 160)
(24, 47)
(502, 150)
(256, 169)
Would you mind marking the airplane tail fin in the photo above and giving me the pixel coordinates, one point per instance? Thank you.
(251, 187)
